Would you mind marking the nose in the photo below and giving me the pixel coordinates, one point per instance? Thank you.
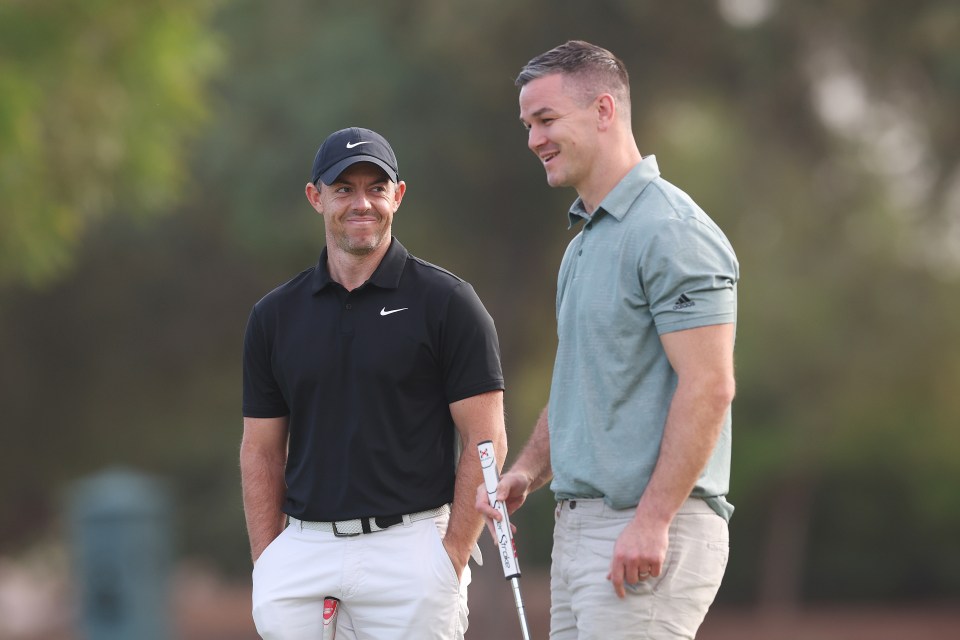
(535, 138)
(360, 201)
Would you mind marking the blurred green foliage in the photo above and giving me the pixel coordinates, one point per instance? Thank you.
(822, 136)
(99, 98)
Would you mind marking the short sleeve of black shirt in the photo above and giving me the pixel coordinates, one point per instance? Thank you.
(471, 353)
(262, 397)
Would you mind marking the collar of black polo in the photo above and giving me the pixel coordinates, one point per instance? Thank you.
(386, 276)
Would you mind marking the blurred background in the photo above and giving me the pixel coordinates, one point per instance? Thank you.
(153, 156)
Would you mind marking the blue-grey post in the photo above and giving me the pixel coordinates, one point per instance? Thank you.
(120, 538)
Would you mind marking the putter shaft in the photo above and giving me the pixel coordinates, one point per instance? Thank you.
(515, 583)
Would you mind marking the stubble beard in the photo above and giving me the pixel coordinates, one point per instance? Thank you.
(362, 247)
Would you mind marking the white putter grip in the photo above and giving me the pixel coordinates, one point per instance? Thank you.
(504, 537)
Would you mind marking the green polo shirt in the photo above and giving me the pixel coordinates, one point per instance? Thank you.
(648, 261)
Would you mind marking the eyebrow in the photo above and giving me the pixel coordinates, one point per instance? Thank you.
(338, 181)
(539, 112)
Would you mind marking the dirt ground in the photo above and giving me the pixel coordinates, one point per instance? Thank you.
(222, 613)
(208, 609)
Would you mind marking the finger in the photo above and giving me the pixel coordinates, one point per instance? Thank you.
(481, 501)
(483, 505)
(616, 577)
(489, 512)
(492, 514)
(505, 488)
(654, 566)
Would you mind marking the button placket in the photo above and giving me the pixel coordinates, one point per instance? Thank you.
(346, 315)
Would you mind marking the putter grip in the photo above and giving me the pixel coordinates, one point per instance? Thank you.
(506, 548)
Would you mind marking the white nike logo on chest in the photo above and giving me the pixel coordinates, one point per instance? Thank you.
(384, 311)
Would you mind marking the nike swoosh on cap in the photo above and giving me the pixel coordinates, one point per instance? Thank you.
(384, 311)
(351, 145)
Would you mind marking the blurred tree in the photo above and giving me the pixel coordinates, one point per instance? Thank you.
(820, 135)
(847, 338)
(97, 101)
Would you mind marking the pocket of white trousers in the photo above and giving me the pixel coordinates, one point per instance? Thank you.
(444, 556)
(267, 549)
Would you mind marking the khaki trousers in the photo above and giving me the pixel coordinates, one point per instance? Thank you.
(584, 605)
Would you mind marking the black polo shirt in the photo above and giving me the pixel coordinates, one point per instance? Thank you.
(366, 378)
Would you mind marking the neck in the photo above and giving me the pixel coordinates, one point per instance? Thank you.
(352, 270)
(608, 172)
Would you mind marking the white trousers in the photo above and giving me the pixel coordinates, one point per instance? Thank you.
(584, 605)
(393, 584)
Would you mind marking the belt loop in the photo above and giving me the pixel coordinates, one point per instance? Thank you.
(406, 520)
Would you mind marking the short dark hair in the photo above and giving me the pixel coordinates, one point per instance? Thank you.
(593, 68)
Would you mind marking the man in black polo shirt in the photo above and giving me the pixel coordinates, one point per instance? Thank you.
(358, 374)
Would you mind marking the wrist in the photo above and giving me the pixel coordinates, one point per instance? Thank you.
(459, 555)
(653, 513)
(526, 475)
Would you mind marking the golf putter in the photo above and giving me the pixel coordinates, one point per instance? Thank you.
(506, 548)
(331, 608)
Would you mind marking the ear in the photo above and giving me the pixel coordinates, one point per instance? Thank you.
(398, 194)
(313, 196)
(606, 108)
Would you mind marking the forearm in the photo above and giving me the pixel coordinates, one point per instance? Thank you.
(534, 461)
(465, 523)
(478, 419)
(692, 429)
(262, 479)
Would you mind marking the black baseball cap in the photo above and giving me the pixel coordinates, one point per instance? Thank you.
(349, 146)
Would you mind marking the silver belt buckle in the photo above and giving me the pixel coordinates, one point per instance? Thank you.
(343, 534)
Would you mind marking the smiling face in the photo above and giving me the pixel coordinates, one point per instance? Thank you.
(562, 129)
(358, 208)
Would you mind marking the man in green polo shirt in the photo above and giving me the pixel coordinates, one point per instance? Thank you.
(636, 434)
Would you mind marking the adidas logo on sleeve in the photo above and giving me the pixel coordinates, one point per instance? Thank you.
(683, 302)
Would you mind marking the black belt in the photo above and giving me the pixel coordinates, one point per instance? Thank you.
(347, 528)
